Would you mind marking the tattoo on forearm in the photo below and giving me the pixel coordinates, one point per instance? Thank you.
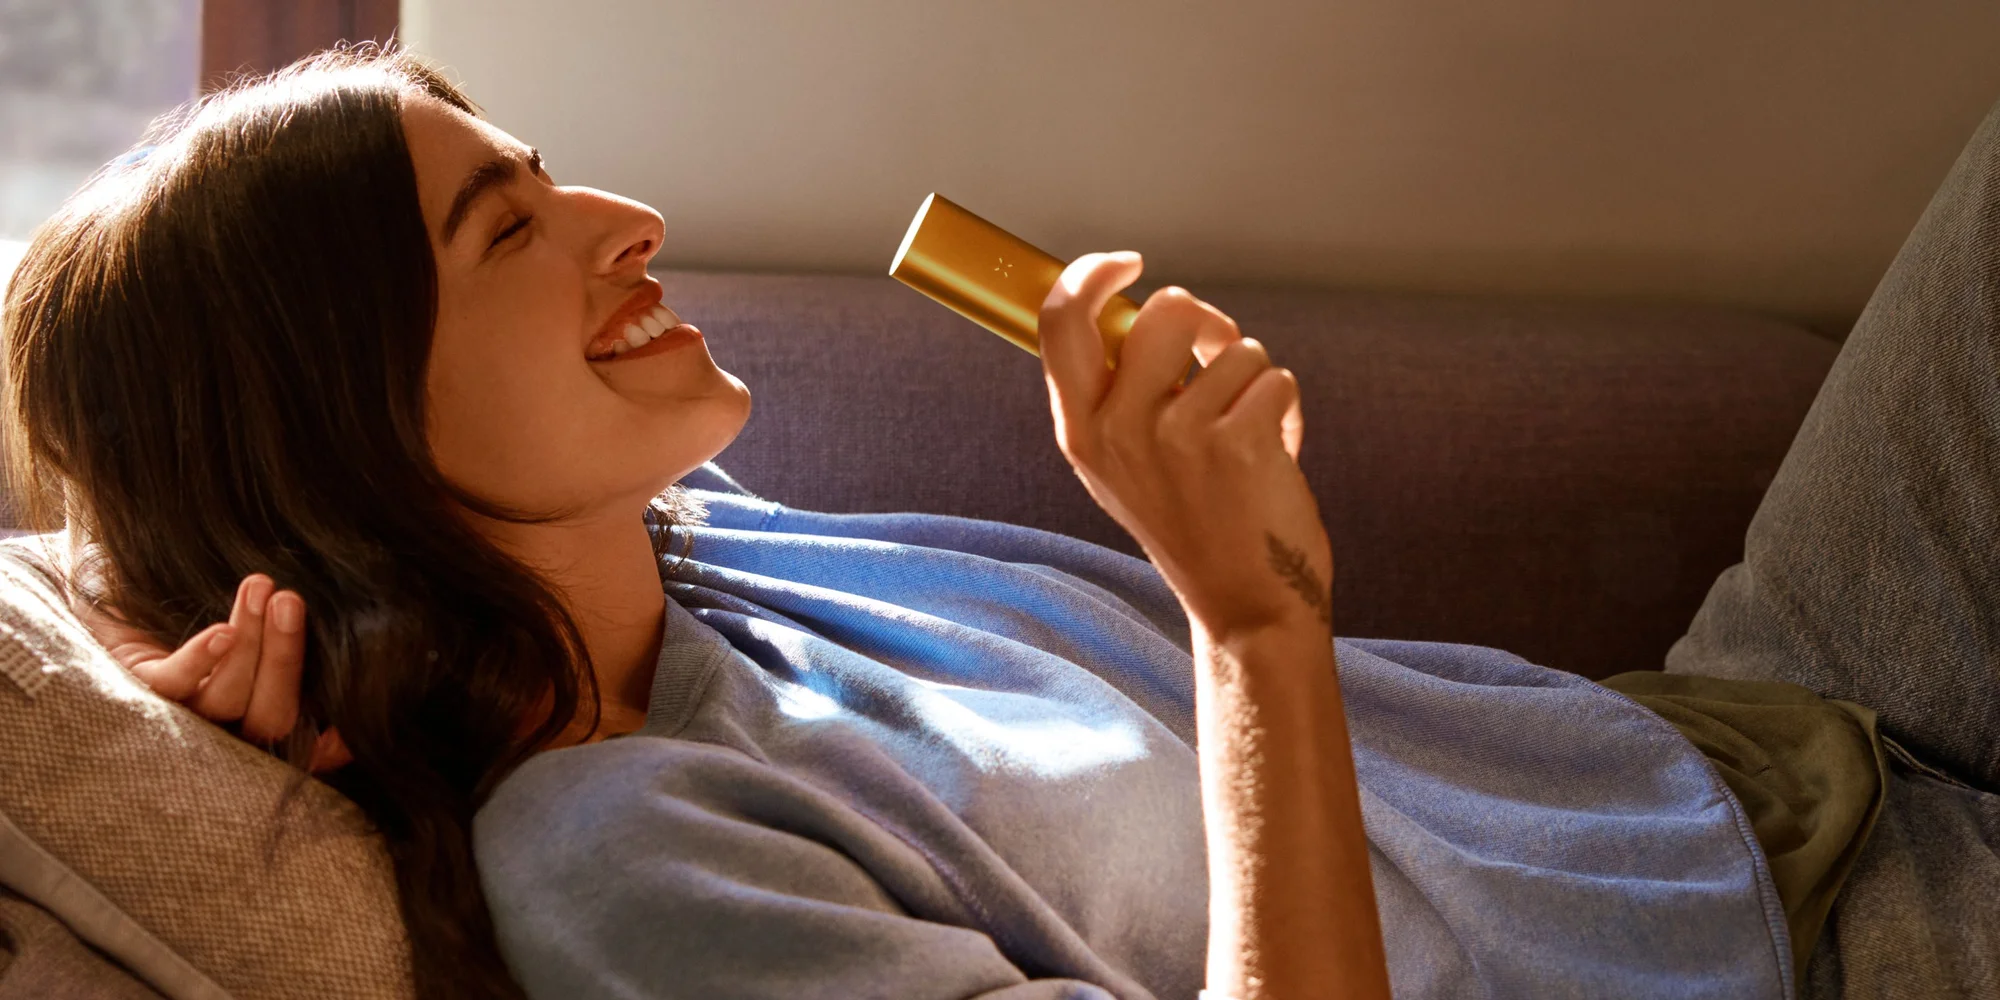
(1291, 564)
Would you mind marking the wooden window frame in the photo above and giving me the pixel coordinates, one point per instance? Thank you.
(254, 36)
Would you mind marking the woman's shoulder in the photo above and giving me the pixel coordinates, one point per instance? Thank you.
(685, 865)
(657, 866)
(582, 817)
(579, 793)
(590, 807)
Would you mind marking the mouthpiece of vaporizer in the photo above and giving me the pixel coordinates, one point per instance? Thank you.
(991, 277)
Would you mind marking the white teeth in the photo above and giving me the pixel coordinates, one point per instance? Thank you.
(642, 331)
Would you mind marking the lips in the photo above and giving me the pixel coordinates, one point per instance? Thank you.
(637, 321)
(637, 333)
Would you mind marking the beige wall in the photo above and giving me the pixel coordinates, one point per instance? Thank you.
(1770, 155)
(10, 258)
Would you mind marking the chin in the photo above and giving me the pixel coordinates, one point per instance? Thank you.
(719, 434)
(741, 399)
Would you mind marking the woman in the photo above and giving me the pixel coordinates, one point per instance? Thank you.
(336, 343)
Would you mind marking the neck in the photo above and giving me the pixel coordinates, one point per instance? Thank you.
(604, 570)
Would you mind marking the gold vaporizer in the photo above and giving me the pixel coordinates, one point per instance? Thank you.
(991, 277)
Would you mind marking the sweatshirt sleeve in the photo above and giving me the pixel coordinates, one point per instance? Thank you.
(652, 873)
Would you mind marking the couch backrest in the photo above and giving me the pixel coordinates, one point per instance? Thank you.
(1561, 481)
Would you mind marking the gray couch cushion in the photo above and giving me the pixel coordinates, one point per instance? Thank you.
(1561, 481)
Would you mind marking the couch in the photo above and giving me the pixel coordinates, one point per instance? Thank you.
(1561, 480)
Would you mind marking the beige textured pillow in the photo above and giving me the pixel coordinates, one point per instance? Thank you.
(153, 833)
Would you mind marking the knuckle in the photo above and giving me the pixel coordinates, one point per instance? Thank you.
(1238, 362)
(1232, 358)
(1214, 314)
(1249, 347)
(1172, 301)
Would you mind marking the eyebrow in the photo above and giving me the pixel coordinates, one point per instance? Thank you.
(483, 178)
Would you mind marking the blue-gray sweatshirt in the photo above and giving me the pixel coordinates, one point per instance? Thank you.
(918, 757)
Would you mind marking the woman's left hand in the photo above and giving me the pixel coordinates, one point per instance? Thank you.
(246, 670)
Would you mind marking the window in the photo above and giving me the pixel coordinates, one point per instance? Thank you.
(79, 81)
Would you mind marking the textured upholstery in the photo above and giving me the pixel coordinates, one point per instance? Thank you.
(155, 834)
(1560, 481)
(41, 958)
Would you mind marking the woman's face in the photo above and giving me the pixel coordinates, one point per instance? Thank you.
(529, 275)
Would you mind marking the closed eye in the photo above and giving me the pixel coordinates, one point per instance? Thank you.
(536, 169)
(510, 230)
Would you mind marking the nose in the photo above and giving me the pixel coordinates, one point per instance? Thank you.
(628, 232)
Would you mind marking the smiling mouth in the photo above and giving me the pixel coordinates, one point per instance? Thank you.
(636, 333)
(679, 336)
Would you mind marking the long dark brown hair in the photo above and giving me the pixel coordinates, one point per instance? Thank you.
(215, 365)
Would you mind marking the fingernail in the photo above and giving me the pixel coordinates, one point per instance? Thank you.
(220, 642)
(258, 592)
(287, 613)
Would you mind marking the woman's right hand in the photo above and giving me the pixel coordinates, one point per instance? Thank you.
(1205, 476)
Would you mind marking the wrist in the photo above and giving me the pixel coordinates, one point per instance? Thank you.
(1294, 619)
(1264, 654)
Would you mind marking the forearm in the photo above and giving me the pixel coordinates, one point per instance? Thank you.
(1291, 904)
